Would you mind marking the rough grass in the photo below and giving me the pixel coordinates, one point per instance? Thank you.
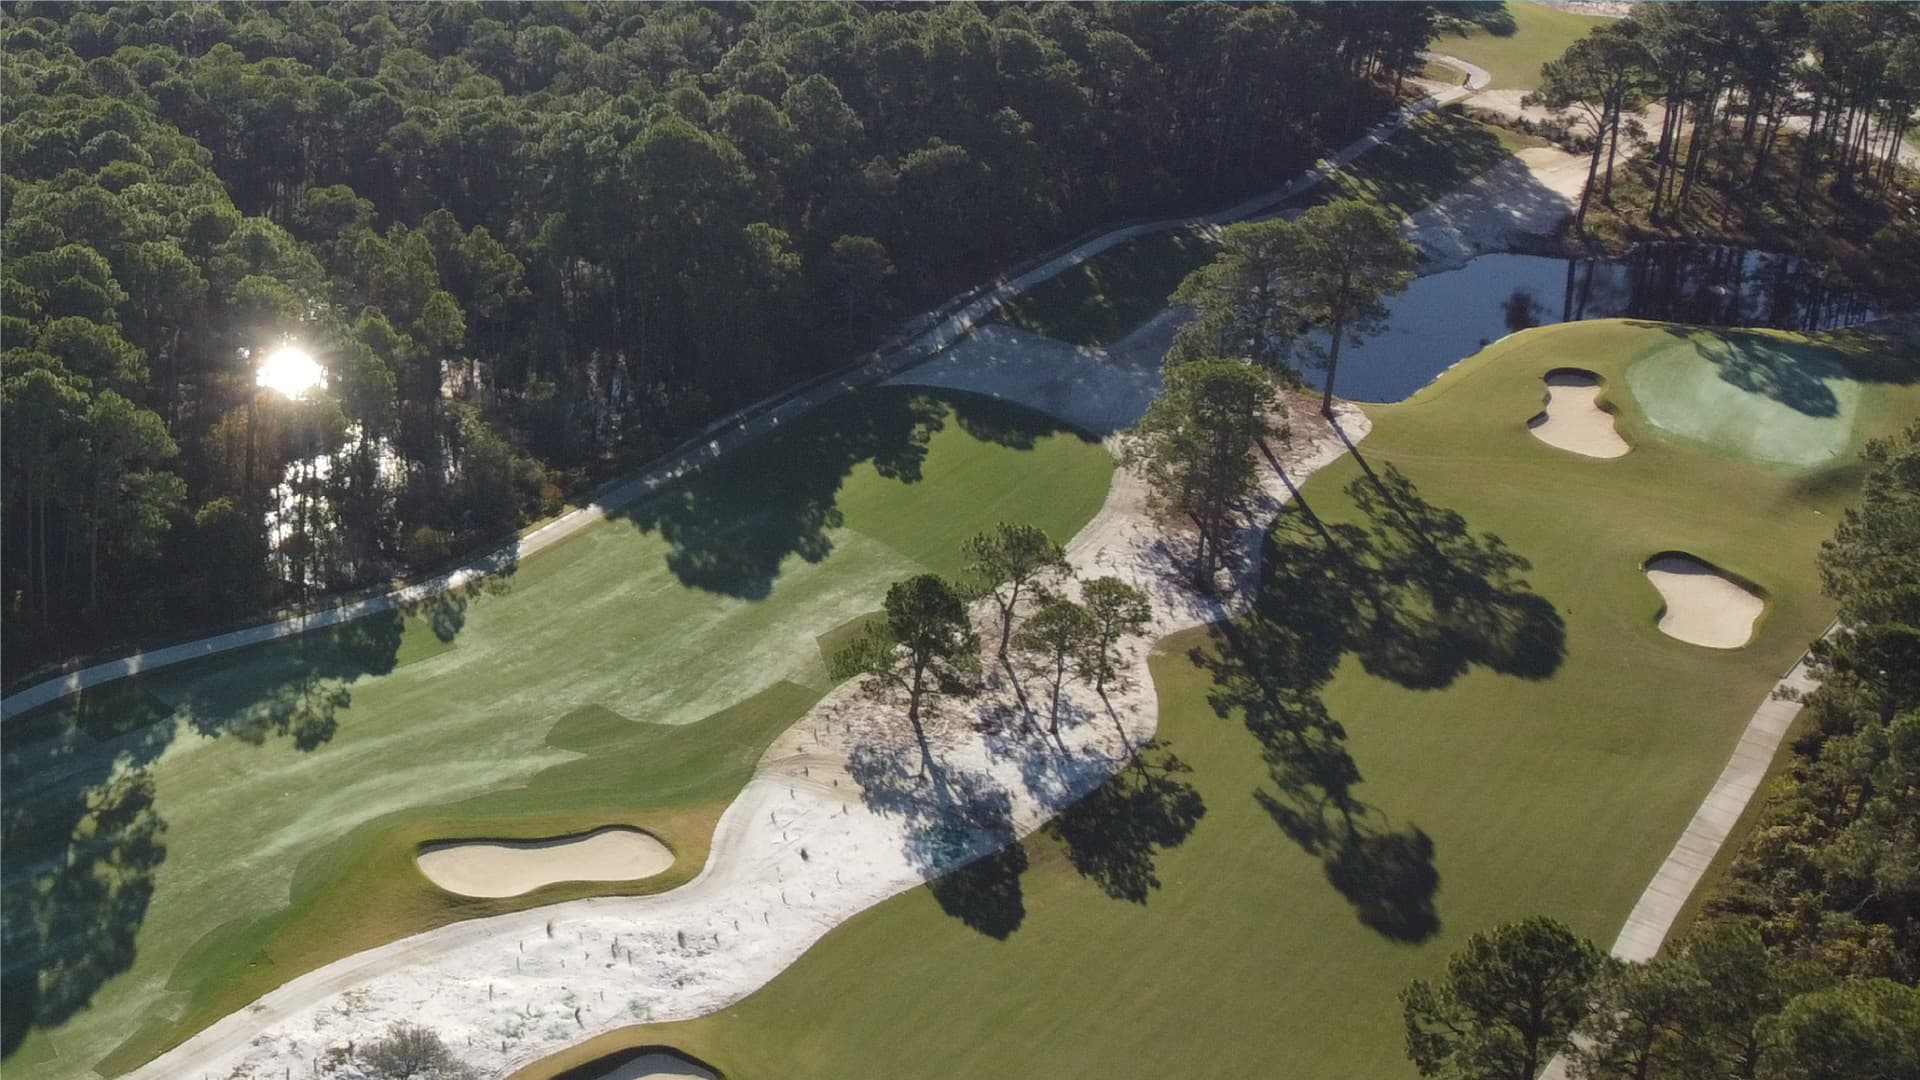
(1434, 155)
(1512, 49)
(631, 675)
(1099, 301)
(1557, 794)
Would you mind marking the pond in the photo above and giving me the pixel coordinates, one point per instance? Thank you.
(1445, 317)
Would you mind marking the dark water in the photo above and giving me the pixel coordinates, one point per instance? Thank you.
(1447, 316)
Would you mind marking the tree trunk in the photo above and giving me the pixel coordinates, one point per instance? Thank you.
(1333, 365)
(1579, 214)
(1059, 677)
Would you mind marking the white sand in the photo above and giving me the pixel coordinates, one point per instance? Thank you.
(512, 867)
(1526, 195)
(1702, 606)
(1574, 420)
(657, 1067)
(1098, 390)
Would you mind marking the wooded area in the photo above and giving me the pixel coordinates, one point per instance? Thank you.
(532, 243)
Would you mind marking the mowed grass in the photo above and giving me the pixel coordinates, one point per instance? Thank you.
(1548, 776)
(1099, 301)
(1513, 48)
(181, 842)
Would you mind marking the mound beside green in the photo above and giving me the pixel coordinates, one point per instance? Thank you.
(1412, 738)
(179, 843)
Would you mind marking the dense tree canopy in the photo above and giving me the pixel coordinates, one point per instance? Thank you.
(529, 243)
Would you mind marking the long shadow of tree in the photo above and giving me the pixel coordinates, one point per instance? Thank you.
(960, 831)
(1417, 598)
(735, 521)
(79, 827)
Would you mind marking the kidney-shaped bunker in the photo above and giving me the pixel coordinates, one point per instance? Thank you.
(1703, 605)
(495, 868)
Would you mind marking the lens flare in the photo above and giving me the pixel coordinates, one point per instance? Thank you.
(291, 372)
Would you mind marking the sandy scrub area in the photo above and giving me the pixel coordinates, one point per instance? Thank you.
(1527, 195)
(657, 1067)
(1703, 607)
(511, 867)
(840, 814)
(1573, 419)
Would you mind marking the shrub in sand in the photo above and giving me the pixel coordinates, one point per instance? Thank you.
(411, 1052)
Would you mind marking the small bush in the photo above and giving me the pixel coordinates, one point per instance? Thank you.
(411, 1052)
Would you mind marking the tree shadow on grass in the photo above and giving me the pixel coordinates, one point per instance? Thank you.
(734, 522)
(1112, 835)
(1418, 599)
(79, 825)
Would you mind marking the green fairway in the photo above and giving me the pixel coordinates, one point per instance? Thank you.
(1412, 739)
(179, 843)
(1513, 43)
(1759, 395)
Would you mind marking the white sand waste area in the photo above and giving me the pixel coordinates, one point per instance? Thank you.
(1526, 195)
(657, 1067)
(835, 819)
(512, 867)
(1094, 389)
(1704, 607)
(1573, 419)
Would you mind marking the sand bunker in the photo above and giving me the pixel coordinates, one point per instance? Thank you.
(511, 867)
(1704, 606)
(654, 1065)
(1573, 419)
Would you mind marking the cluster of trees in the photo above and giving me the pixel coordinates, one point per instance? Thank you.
(925, 644)
(530, 242)
(1731, 78)
(1806, 962)
(1329, 269)
(1718, 1004)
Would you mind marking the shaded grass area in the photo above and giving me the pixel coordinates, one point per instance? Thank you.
(1102, 299)
(1451, 708)
(178, 842)
(1099, 301)
(1512, 42)
(1434, 155)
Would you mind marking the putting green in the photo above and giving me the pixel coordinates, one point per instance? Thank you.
(1521, 749)
(179, 843)
(1762, 396)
